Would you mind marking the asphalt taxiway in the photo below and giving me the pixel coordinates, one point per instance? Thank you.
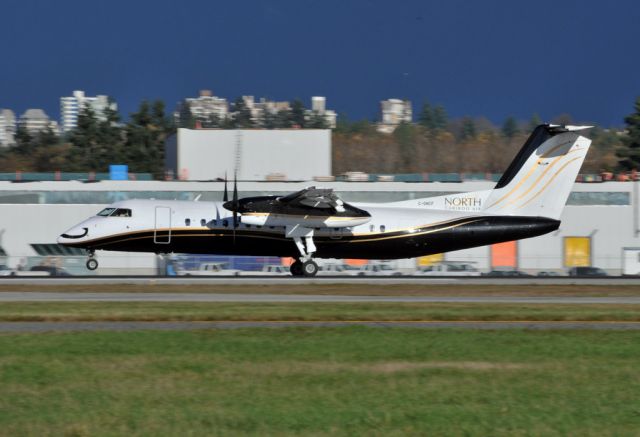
(10, 296)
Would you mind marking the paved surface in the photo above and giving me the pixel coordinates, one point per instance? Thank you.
(288, 280)
(11, 296)
(38, 327)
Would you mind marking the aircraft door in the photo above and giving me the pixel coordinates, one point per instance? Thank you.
(162, 228)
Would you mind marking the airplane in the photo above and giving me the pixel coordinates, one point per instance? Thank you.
(315, 223)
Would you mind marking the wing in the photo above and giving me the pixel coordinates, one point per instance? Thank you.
(323, 198)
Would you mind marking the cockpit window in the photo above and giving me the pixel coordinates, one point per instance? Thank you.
(106, 212)
(122, 212)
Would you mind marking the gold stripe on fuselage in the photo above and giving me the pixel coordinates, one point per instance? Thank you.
(336, 239)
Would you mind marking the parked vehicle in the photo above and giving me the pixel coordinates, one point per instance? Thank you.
(546, 274)
(268, 270)
(449, 268)
(51, 270)
(337, 270)
(6, 271)
(587, 271)
(378, 270)
(209, 269)
(507, 274)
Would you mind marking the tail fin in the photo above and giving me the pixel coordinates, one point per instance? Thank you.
(540, 178)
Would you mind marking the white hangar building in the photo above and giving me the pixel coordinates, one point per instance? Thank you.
(600, 225)
(256, 154)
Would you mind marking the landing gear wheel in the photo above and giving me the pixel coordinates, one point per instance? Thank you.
(309, 268)
(92, 264)
(296, 268)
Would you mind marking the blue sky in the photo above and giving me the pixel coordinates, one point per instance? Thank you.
(491, 58)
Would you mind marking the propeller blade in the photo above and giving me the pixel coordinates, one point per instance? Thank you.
(225, 198)
(235, 205)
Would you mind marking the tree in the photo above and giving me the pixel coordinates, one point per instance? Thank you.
(84, 153)
(283, 119)
(629, 153)
(185, 116)
(534, 122)
(24, 142)
(317, 121)
(425, 118)
(268, 119)
(440, 118)
(468, 129)
(241, 114)
(146, 132)
(405, 136)
(298, 114)
(510, 127)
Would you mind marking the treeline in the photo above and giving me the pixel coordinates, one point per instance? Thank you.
(435, 143)
(96, 143)
(438, 144)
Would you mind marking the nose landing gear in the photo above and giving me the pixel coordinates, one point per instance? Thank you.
(92, 263)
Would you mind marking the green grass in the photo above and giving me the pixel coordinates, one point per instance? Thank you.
(305, 381)
(203, 311)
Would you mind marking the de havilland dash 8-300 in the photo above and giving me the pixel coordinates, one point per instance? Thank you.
(313, 223)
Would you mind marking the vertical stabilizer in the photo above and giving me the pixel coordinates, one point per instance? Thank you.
(540, 178)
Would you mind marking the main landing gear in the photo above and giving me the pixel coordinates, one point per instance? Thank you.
(304, 265)
(306, 268)
(92, 263)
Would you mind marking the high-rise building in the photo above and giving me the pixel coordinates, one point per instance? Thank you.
(393, 112)
(36, 120)
(202, 108)
(319, 107)
(7, 127)
(207, 107)
(71, 106)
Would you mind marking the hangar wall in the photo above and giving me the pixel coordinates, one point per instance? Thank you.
(206, 154)
(37, 212)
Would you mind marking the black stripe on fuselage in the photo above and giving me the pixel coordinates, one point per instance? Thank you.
(409, 243)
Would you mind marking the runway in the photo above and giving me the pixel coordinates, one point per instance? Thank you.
(322, 280)
(10, 296)
(41, 327)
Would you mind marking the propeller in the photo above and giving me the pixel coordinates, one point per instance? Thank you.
(235, 204)
(225, 198)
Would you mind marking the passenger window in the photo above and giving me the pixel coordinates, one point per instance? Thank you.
(203, 222)
(382, 228)
(372, 228)
(225, 223)
(187, 222)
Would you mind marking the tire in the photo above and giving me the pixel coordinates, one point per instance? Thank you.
(92, 264)
(296, 268)
(310, 268)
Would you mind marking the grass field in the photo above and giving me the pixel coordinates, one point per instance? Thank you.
(219, 311)
(305, 381)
